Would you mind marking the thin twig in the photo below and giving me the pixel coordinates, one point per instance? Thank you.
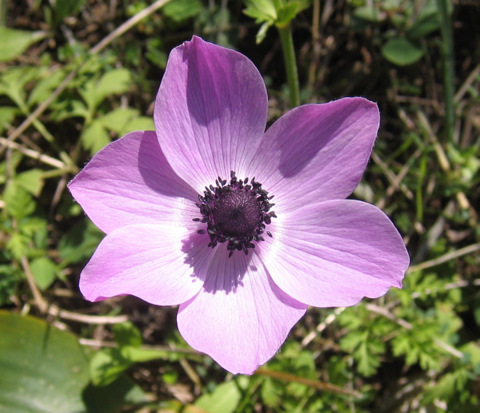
(33, 154)
(445, 258)
(320, 385)
(40, 302)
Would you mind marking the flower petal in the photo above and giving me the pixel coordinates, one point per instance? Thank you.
(210, 112)
(130, 182)
(240, 317)
(334, 253)
(147, 261)
(317, 152)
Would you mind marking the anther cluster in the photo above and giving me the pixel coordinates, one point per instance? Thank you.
(237, 213)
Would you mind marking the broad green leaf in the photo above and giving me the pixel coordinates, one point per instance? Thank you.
(43, 369)
(31, 181)
(108, 364)
(401, 51)
(94, 137)
(126, 334)
(15, 42)
(181, 10)
(224, 399)
(44, 271)
(261, 10)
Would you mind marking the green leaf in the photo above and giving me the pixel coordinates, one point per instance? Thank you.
(261, 10)
(18, 202)
(18, 245)
(44, 271)
(126, 334)
(181, 10)
(15, 42)
(65, 8)
(43, 369)
(44, 88)
(401, 51)
(139, 123)
(118, 119)
(94, 137)
(79, 242)
(224, 399)
(111, 398)
(7, 115)
(369, 13)
(107, 365)
(114, 82)
(31, 181)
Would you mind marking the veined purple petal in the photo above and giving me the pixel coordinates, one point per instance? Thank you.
(334, 253)
(240, 317)
(147, 261)
(130, 182)
(317, 152)
(210, 112)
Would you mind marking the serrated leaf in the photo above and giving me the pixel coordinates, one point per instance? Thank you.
(18, 202)
(111, 83)
(139, 123)
(401, 51)
(44, 88)
(95, 137)
(31, 180)
(18, 245)
(118, 119)
(44, 271)
(15, 42)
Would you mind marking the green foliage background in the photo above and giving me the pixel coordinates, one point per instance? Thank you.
(70, 84)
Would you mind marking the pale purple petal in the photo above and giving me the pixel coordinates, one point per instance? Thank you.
(210, 112)
(240, 318)
(317, 152)
(334, 253)
(148, 261)
(130, 182)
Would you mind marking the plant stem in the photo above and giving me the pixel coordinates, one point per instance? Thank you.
(448, 67)
(290, 63)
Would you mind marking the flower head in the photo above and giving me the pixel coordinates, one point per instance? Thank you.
(191, 219)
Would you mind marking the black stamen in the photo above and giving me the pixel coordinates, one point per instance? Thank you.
(235, 213)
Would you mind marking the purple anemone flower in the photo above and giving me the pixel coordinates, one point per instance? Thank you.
(242, 228)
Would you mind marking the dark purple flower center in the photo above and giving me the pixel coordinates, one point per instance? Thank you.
(237, 213)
